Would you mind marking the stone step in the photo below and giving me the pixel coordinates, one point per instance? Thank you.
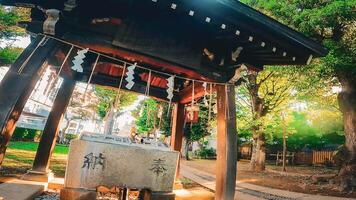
(21, 190)
(193, 194)
(56, 184)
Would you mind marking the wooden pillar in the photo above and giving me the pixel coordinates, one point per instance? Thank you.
(17, 85)
(177, 127)
(50, 132)
(177, 131)
(226, 143)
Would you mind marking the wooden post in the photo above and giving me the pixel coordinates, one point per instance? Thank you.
(17, 85)
(177, 127)
(226, 143)
(177, 131)
(50, 133)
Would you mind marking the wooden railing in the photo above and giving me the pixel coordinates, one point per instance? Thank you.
(314, 158)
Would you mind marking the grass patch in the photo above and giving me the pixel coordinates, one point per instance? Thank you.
(20, 155)
(19, 158)
(32, 146)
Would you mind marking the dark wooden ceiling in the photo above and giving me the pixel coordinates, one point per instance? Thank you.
(198, 39)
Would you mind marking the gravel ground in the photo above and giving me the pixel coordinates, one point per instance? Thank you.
(48, 196)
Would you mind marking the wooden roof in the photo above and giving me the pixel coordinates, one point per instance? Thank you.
(198, 39)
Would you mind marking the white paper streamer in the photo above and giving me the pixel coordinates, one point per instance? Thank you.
(170, 85)
(170, 89)
(130, 76)
(205, 85)
(78, 60)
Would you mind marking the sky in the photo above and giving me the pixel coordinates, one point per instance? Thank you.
(21, 42)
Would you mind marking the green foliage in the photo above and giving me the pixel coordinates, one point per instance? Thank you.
(147, 120)
(108, 97)
(196, 131)
(204, 152)
(9, 54)
(147, 116)
(25, 134)
(166, 119)
(260, 101)
(32, 146)
(305, 130)
(9, 17)
(331, 22)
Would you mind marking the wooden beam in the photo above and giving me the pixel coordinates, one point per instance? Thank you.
(16, 87)
(226, 143)
(185, 96)
(139, 87)
(177, 130)
(50, 133)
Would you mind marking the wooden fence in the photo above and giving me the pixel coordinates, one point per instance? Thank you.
(245, 151)
(314, 158)
(299, 158)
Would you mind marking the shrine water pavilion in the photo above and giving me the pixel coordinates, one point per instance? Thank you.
(194, 41)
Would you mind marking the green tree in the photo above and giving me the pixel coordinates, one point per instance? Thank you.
(264, 94)
(332, 22)
(196, 131)
(8, 55)
(9, 18)
(77, 110)
(153, 115)
(110, 102)
(147, 120)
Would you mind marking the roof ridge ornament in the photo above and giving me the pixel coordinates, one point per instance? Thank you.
(69, 5)
(49, 25)
(235, 54)
(238, 74)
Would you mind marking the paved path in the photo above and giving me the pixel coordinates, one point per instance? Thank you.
(20, 190)
(246, 191)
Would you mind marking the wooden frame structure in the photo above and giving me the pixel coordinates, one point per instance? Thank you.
(203, 40)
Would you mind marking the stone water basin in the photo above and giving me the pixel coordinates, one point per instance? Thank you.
(99, 160)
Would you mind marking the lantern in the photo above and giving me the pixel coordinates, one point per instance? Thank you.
(192, 114)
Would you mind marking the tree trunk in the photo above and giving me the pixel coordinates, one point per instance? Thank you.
(109, 122)
(64, 130)
(258, 157)
(347, 101)
(186, 149)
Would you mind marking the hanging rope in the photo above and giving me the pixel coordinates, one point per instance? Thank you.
(192, 106)
(90, 77)
(41, 43)
(64, 61)
(147, 92)
(118, 96)
(193, 93)
(129, 63)
(210, 102)
(60, 70)
(148, 114)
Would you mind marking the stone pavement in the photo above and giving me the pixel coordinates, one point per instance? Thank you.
(246, 191)
(21, 190)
